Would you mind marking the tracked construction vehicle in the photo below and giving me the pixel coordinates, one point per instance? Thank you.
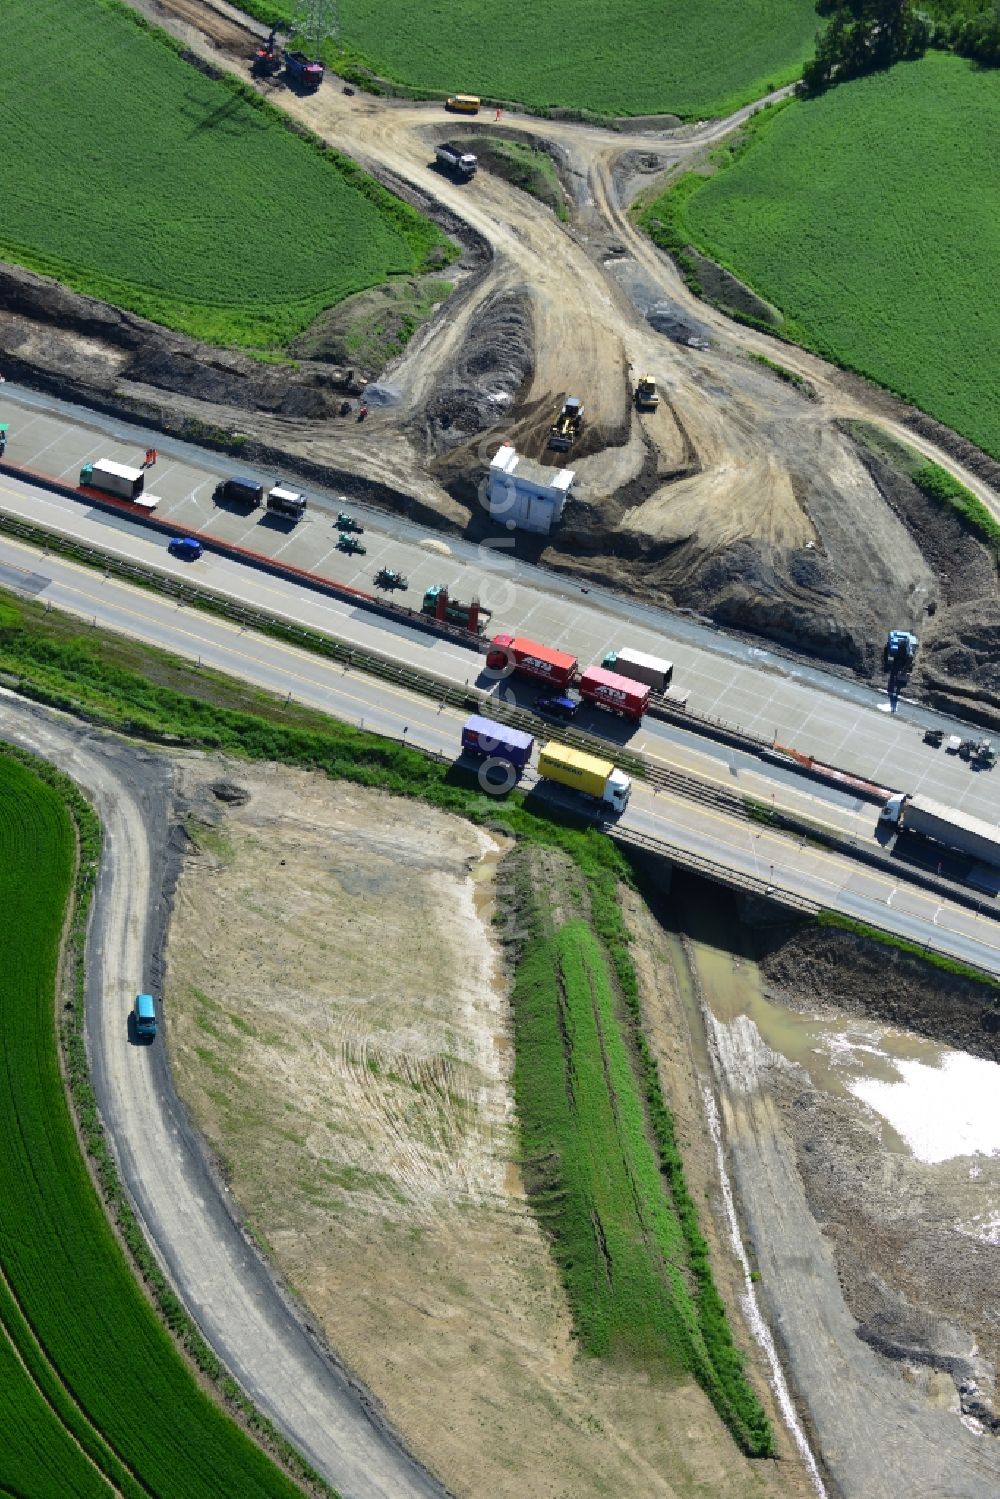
(647, 397)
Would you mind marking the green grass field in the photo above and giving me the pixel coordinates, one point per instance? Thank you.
(89, 1380)
(868, 216)
(607, 56)
(127, 174)
(623, 1227)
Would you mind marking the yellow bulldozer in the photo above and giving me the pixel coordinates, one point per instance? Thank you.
(566, 429)
(647, 397)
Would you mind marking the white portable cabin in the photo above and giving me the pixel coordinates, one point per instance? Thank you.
(525, 496)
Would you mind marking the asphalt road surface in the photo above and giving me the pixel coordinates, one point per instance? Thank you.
(840, 721)
(752, 850)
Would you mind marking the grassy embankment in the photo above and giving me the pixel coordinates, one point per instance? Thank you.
(525, 166)
(182, 198)
(127, 686)
(607, 57)
(864, 217)
(90, 1381)
(935, 482)
(600, 1158)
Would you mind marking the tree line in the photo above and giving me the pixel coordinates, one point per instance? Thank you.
(865, 36)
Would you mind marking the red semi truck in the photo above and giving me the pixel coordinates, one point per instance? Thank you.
(607, 689)
(529, 659)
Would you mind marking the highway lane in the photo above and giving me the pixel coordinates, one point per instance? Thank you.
(839, 720)
(755, 851)
(669, 746)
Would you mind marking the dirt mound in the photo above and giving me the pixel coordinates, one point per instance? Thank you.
(481, 388)
(958, 668)
(816, 967)
(50, 330)
(344, 1042)
(959, 663)
(720, 286)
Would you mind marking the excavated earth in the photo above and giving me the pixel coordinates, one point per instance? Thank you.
(740, 499)
(876, 1261)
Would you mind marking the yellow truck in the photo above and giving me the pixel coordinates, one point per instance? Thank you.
(463, 104)
(585, 773)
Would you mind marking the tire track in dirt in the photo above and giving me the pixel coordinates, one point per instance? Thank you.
(185, 1212)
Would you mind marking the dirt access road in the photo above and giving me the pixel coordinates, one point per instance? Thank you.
(738, 497)
(184, 1208)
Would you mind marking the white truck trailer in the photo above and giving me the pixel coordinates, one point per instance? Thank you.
(290, 503)
(114, 478)
(461, 164)
(652, 670)
(954, 830)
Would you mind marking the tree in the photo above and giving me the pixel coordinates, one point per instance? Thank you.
(315, 21)
(863, 36)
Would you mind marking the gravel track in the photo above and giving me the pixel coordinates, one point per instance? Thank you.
(222, 1280)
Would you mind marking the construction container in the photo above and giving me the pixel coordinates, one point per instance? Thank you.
(619, 694)
(527, 658)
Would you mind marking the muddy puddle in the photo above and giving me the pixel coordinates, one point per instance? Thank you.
(934, 1102)
(834, 1050)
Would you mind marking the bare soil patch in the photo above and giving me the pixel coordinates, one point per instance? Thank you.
(339, 1029)
(738, 501)
(876, 1268)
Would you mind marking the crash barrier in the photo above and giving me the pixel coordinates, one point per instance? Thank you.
(767, 750)
(465, 696)
(374, 663)
(863, 853)
(733, 879)
(357, 597)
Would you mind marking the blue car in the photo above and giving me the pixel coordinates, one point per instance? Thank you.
(186, 547)
(145, 1015)
(563, 706)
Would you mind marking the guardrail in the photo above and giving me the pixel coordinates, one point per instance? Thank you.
(358, 597)
(765, 749)
(466, 696)
(734, 879)
(875, 858)
(374, 663)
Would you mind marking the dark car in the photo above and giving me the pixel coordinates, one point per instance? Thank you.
(563, 706)
(347, 543)
(239, 491)
(186, 547)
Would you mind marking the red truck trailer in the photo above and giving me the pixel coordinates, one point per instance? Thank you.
(609, 690)
(529, 659)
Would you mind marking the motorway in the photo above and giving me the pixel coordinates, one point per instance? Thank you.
(760, 855)
(838, 720)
